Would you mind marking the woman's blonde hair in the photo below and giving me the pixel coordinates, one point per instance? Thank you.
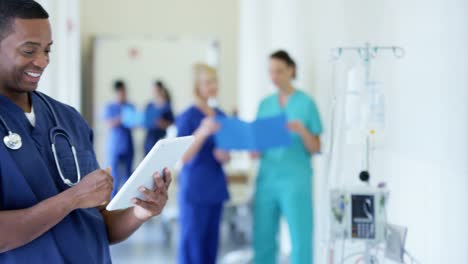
(199, 70)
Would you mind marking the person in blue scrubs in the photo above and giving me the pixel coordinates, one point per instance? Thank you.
(284, 181)
(119, 142)
(202, 182)
(159, 116)
(43, 217)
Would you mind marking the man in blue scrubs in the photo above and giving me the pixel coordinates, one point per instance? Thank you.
(119, 143)
(42, 218)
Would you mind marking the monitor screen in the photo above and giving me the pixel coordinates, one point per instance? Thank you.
(362, 217)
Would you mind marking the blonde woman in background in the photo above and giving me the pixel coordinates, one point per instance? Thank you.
(202, 181)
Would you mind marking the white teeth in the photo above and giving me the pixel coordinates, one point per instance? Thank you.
(32, 74)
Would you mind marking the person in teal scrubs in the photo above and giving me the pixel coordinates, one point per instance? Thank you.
(284, 181)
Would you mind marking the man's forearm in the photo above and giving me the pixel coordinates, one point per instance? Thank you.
(120, 224)
(20, 227)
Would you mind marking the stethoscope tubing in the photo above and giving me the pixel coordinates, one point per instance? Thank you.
(55, 131)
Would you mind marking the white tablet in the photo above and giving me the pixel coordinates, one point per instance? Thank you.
(164, 154)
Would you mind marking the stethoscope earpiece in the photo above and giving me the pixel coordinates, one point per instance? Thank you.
(13, 141)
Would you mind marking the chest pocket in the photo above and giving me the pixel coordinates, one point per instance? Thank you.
(85, 159)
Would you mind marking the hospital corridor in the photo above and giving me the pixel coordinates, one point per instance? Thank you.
(234, 131)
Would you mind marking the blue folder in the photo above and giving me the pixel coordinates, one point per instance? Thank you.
(260, 135)
(132, 118)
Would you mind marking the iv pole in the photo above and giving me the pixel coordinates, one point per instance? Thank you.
(367, 53)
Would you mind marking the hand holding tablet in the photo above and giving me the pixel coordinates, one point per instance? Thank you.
(163, 155)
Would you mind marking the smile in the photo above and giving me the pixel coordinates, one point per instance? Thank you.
(34, 74)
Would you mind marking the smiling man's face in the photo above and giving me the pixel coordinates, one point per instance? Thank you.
(24, 55)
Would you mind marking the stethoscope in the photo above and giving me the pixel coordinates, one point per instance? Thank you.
(13, 141)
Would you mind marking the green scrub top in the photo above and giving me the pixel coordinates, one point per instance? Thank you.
(289, 166)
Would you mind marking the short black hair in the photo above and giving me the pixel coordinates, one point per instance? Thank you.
(119, 85)
(284, 56)
(23, 9)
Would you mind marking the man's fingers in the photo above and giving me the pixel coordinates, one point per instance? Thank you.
(158, 196)
(107, 180)
(167, 178)
(153, 208)
(110, 179)
(158, 181)
(149, 195)
(163, 196)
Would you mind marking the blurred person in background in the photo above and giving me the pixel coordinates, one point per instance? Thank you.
(119, 143)
(284, 181)
(159, 115)
(202, 181)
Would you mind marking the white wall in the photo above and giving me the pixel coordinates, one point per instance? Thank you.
(62, 79)
(201, 18)
(425, 153)
(266, 26)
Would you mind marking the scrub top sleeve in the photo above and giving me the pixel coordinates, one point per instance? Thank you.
(147, 109)
(261, 109)
(314, 123)
(184, 126)
(1, 187)
(148, 123)
(168, 115)
(95, 162)
(109, 112)
(90, 146)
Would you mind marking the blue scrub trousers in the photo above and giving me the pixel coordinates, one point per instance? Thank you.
(121, 166)
(270, 203)
(199, 232)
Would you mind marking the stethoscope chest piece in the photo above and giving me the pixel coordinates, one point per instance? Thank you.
(13, 141)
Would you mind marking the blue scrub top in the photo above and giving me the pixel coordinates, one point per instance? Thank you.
(154, 113)
(202, 180)
(120, 138)
(289, 166)
(29, 176)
